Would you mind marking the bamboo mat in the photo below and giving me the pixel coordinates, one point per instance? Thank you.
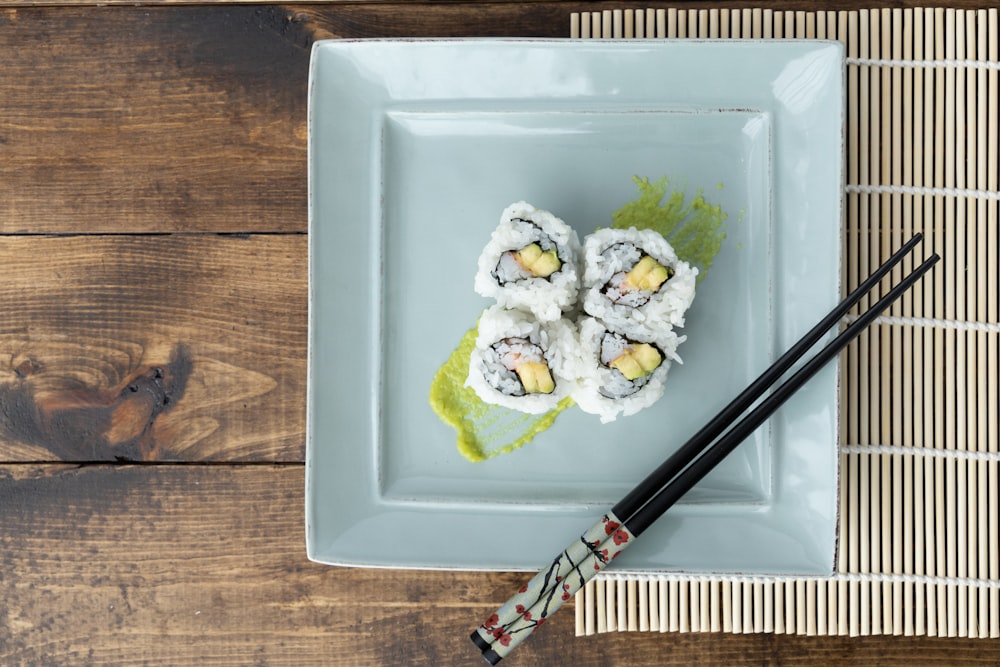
(918, 550)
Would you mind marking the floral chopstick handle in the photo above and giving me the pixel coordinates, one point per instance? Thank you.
(550, 588)
(530, 593)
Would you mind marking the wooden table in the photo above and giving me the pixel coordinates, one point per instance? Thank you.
(152, 360)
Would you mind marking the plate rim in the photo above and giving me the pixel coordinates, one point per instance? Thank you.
(313, 550)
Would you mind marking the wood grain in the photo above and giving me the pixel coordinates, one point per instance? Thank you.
(162, 119)
(166, 348)
(205, 565)
(139, 120)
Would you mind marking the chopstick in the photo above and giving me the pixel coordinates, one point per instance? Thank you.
(690, 476)
(616, 530)
(631, 503)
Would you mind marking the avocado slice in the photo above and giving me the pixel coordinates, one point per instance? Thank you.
(535, 377)
(647, 274)
(547, 264)
(628, 366)
(648, 356)
(638, 360)
(541, 263)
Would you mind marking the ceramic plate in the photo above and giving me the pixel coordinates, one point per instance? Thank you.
(416, 147)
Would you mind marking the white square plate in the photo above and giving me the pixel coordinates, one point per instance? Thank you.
(416, 147)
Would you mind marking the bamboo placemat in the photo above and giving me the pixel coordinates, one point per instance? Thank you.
(918, 550)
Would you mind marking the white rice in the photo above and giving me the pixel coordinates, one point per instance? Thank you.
(604, 391)
(547, 298)
(496, 385)
(529, 321)
(612, 252)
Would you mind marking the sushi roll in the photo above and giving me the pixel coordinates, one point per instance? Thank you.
(633, 278)
(622, 373)
(531, 262)
(522, 363)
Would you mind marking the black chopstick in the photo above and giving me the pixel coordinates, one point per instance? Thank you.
(596, 548)
(638, 496)
(684, 480)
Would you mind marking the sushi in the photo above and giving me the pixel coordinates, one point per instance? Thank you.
(614, 361)
(633, 279)
(622, 372)
(531, 262)
(521, 362)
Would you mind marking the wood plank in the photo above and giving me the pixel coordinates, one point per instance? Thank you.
(183, 118)
(790, 5)
(129, 119)
(205, 565)
(178, 347)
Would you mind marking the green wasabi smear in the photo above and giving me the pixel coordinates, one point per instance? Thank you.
(484, 430)
(696, 230)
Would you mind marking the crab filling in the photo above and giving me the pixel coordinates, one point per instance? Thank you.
(633, 363)
(538, 259)
(636, 286)
(519, 367)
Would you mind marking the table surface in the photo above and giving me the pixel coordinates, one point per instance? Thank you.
(153, 361)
